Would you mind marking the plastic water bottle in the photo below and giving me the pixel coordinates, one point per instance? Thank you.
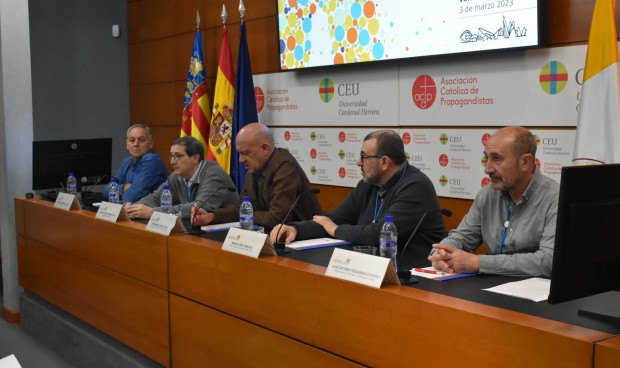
(388, 240)
(72, 184)
(113, 191)
(246, 214)
(166, 200)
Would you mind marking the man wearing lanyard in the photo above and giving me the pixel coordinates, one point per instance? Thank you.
(143, 171)
(514, 216)
(390, 186)
(193, 180)
(273, 180)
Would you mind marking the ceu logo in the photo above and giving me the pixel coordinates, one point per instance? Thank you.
(443, 138)
(484, 160)
(406, 138)
(326, 90)
(341, 154)
(538, 163)
(260, 98)
(537, 139)
(424, 92)
(342, 136)
(443, 180)
(313, 153)
(342, 172)
(287, 136)
(313, 136)
(313, 170)
(485, 181)
(553, 77)
(443, 160)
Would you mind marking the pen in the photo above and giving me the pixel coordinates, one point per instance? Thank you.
(424, 270)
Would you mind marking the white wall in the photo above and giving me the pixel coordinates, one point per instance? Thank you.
(16, 134)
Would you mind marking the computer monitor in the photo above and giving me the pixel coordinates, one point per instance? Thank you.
(586, 258)
(89, 159)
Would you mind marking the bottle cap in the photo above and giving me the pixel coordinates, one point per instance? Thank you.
(166, 187)
(71, 173)
(389, 218)
(246, 198)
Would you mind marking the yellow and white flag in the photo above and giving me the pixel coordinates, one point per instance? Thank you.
(598, 126)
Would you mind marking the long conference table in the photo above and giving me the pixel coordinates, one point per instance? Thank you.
(183, 302)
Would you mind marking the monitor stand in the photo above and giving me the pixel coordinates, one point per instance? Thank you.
(607, 308)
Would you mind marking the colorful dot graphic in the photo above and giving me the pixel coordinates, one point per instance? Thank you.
(353, 30)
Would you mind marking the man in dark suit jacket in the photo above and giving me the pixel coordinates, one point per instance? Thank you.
(273, 180)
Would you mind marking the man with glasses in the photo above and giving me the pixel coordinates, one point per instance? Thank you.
(273, 181)
(390, 186)
(143, 171)
(514, 216)
(194, 180)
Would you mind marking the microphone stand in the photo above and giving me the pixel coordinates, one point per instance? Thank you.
(280, 246)
(405, 275)
(195, 229)
(84, 194)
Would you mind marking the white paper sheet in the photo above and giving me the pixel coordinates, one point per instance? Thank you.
(536, 289)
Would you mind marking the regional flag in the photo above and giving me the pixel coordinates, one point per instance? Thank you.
(598, 124)
(195, 121)
(220, 135)
(244, 111)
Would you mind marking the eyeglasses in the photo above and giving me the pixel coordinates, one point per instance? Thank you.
(364, 156)
(176, 156)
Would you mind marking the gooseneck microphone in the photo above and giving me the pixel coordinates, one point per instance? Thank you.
(405, 275)
(85, 192)
(279, 245)
(195, 229)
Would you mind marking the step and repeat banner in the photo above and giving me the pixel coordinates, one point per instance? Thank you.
(444, 110)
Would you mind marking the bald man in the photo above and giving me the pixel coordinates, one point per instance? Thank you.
(514, 216)
(273, 181)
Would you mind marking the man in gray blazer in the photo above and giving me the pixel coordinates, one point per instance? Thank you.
(194, 180)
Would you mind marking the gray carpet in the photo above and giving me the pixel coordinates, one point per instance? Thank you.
(29, 352)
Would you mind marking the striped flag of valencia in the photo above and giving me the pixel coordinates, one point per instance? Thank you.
(220, 135)
(196, 107)
(598, 125)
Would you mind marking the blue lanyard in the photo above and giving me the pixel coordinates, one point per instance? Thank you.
(377, 209)
(506, 225)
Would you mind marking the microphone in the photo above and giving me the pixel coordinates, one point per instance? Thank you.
(279, 245)
(84, 193)
(195, 229)
(405, 275)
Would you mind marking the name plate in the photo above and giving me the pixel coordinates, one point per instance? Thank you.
(66, 201)
(247, 243)
(165, 223)
(361, 268)
(112, 212)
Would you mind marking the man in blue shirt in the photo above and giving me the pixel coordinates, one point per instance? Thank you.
(143, 171)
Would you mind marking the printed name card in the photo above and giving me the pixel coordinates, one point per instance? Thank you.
(247, 243)
(361, 268)
(66, 201)
(165, 223)
(112, 212)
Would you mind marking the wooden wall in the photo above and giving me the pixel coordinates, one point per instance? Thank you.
(161, 35)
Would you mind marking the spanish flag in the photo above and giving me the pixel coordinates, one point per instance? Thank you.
(196, 107)
(220, 135)
(598, 124)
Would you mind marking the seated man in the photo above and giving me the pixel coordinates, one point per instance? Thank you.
(193, 180)
(143, 171)
(273, 180)
(390, 186)
(514, 216)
